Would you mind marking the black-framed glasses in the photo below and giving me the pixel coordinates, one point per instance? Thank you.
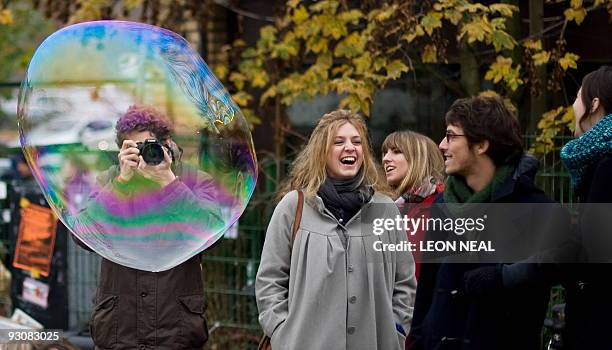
(450, 135)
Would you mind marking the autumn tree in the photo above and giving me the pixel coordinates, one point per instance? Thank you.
(354, 48)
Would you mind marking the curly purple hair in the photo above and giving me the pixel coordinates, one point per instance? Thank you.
(143, 118)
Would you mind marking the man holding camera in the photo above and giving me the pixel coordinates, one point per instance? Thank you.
(152, 310)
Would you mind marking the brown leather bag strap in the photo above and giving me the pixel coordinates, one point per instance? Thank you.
(298, 215)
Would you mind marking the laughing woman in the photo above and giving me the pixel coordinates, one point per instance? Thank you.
(327, 287)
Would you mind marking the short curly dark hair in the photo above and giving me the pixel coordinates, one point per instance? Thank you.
(143, 118)
(488, 118)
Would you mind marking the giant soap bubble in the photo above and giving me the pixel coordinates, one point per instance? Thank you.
(80, 81)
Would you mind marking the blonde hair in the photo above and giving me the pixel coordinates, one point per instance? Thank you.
(423, 156)
(308, 171)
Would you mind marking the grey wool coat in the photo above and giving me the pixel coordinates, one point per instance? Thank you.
(330, 289)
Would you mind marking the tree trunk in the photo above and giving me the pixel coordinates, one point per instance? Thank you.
(470, 71)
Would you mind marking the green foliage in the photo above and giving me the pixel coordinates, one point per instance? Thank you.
(19, 37)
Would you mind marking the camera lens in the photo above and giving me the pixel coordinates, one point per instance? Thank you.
(152, 152)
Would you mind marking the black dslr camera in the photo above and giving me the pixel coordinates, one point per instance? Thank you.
(152, 151)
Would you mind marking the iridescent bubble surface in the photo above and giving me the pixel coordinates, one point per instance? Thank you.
(80, 81)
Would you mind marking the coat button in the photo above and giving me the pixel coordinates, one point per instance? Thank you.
(142, 347)
(340, 220)
(351, 330)
(143, 294)
(353, 299)
(350, 268)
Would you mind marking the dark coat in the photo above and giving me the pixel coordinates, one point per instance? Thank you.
(150, 310)
(445, 317)
(141, 310)
(588, 304)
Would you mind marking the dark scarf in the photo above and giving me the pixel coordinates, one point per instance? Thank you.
(578, 154)
(344, 198)
(457, 191)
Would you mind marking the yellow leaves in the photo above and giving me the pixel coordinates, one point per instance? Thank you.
(431, 21)
(267, 36)
(476, 30)
(576, 4)
(329, 6)
(6, 17)
(395, 69)
(576, 15)
(242, 98)
(300, 15)
(569, 61)
(573, 14)
(533, 45)
(382, 14)
(269, 93)
(238, 80)
(502, 70)
(453, 16)
(550, 125)
(293, 3)
(472, 8)
(316, 44)
(499, 69)
(355, 104)
(352, 16)
(358, 94)
(569, 118)
(418, 31)
(505, 10)
(334, 28)
(286, 49)
(548, 119)
(429, 54)
(351, 46)
(502, 40)
(259, 78)
(221, 71)
(535, 52)
(379, 63)
(363, 63)
(480, 29)
(541, 58)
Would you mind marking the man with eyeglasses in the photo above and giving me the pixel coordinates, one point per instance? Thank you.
(479, 302)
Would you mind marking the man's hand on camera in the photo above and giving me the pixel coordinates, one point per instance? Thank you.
(160, 173)
(128, 160)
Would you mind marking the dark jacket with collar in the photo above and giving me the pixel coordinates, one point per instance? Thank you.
(588, 284)
(447, 318)
(141, 310)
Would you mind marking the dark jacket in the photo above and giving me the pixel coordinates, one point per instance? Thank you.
(137, 309)
(588, 304)
(446, 317)
(150, 310)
